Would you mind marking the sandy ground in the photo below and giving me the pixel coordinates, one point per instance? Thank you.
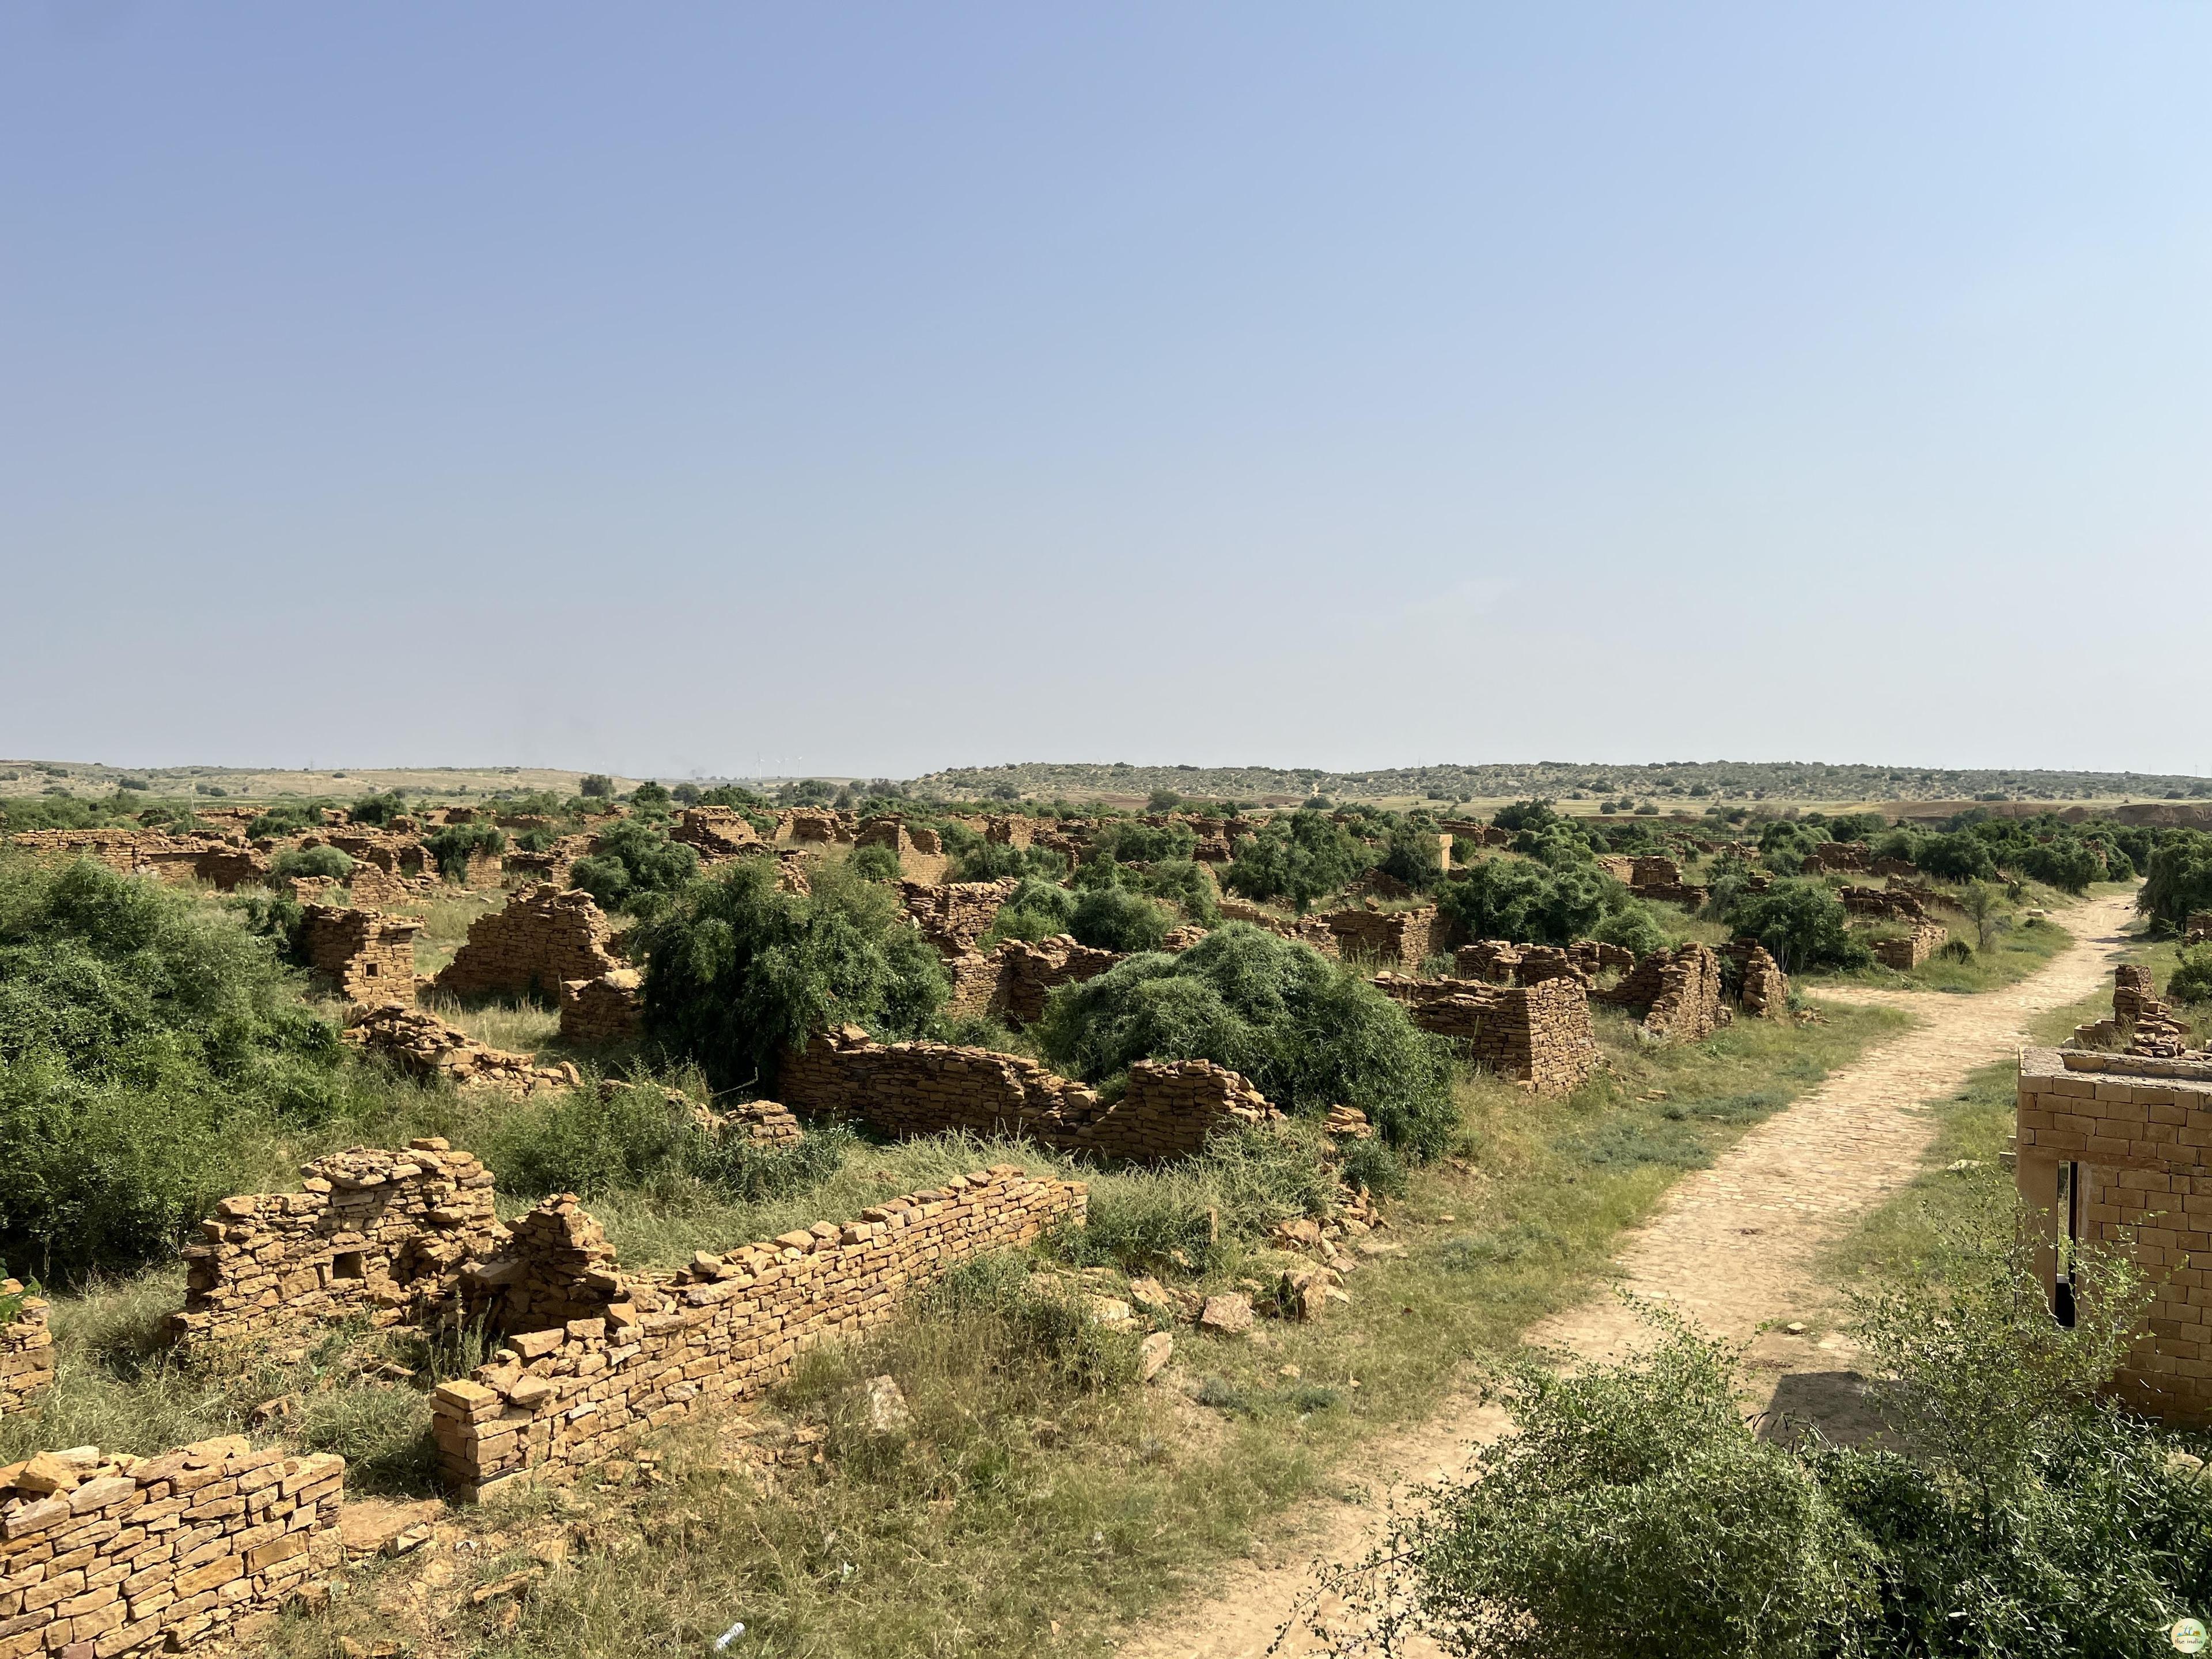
(1734, 1246)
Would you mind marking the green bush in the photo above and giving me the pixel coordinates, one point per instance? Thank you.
(141, 1034)
(378, 809)
(2192, 977)
(287, 818)
(1368, 1164)
(1299, 859)
(737, 972)
(1633, 927)
(1802, 925)
(1115, 919)
(596, 786)
(453, 845)
(1529, 903)
(310, 861)
(1310, 1033)
(994, 861)
(2178, 880)
(590, 1142)
(1036, 910)
(634, 866)
(877, 864)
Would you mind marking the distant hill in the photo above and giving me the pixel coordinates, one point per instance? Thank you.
(1804, 781)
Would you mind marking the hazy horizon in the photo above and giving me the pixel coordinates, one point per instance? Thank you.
(870, 391)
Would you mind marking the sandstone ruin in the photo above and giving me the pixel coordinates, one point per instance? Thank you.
(645, 1350)
(1168, 1110)
(368, 956)
(598, 1012)
(424, 1046)
(1400, 940)
(371, 1232)
(26, 1346)
(1678, 990)
(1537, 1034)
(101, 1556)
(1909, 951)
(542, 937)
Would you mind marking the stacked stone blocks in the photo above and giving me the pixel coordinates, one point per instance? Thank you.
(27, 1348)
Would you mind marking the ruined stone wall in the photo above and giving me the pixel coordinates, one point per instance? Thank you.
(1539, 1035)
(1892, 903)
(552, 866)
(725, 1330)
(714, 832)
(930, 1088)
(2136, 1131)
(101, 1556)
(1678, 990)
(1395, 939)
(1498, 962)
(1840, 855)
(368, 956)
(542, 937)
(1307, 930)
(27, 1348)
(595, 1012)
(424, 1046)
(1024, 974)
(1763, 988)
(953, 915)
(1915, 948)
(374, 1232)
(2140, 1020)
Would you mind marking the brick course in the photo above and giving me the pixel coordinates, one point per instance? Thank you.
(26, 1348)
(1538, 1036)
(646, 1350)
(368, 956)
(542, 937)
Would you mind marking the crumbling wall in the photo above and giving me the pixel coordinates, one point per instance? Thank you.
(1840, 855)
(542, 937)
(1913, 948)
(1306, 929)
(371, 1231)
(368, 956)
(595, 1012)
(1892, 903)
(1025, 974)
(424, 1046)
(1394, 938)
(1763, 988)
(101, 1556)
(714, 832)
(2141, 1021)
(930, 1088)
(953, 915)
(1539, 1034)
(724, 1330)
(553, 865)
(1660, 880)
(1498, 962)
(921, 854)
(27, 1348)
(1678, 990)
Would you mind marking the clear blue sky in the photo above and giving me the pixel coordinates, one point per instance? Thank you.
(868, 388)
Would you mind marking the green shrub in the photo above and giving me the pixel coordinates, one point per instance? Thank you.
(1802, 925)
(994, 861)
(596, 786)
(591, 1142)
(1115, 919)
(287, 818)
(1308, 1032)
(634, 866)
(453, 845)
(1299, 859)
(650, 796)
(737, 972)
(142, 1034)
(378, 809)
(2178, 880)
(2192, 977)
(876, 864)
(1529, 903)
(1036, 910)
(1368, 1164)
(1633, 927)
(310, 861)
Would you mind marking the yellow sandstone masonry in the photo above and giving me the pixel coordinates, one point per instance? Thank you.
(101, 1556)
(27, 1348)
(640, 1351)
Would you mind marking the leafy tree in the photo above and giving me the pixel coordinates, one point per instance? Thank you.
(1310, 1033)
(650, 794)
(879, 864)
(596, 786)
(686, 794)
(1535, 815)
(2192, 977)
(1524, 902)
(1163, 800)
(1961, 855)
(1115, 919)
(378, 809)
(634, 866)
(737, 972)
(1300, 860)
(1802, 925)
(2178, 880)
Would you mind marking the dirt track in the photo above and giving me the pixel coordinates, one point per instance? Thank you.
(1734, 1246)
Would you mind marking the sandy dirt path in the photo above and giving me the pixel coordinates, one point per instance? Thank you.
(1733, 1246)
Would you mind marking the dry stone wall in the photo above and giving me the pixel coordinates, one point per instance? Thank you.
(1024, 974)
(1678, 990)
(368, 956)
(953, 915)
(653, 1350)
(1538, 1034)
(27, 1348)
(1763, 988)
(424, 1046)
(595, 1012)
(544, 938)
(101, 1556)
(1911, 950)
(1168, 1110)
(1395, 939)
(371, 1231)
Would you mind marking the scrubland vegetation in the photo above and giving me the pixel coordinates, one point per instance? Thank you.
(160, 1047)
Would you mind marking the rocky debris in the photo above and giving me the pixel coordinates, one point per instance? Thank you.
(888, 1412)
(1889, 903)
(1229, 1314)
(369, 1527)
(424, 1046)
(1678, 990)
(373, 1232)
(1762, 988)
(2140, 1023)
(102, 1555)
(1347, 1122)
(1153, 1354)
